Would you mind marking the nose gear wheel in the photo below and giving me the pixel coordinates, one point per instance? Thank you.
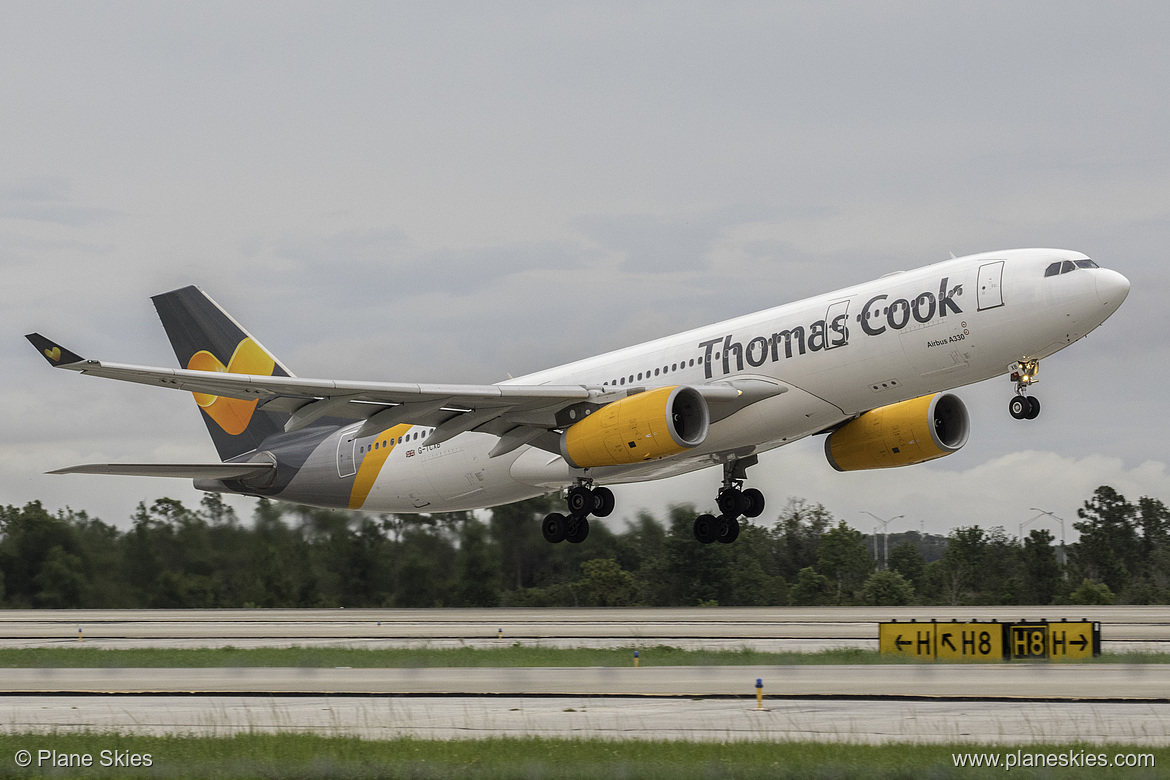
(1024, 407)
(1024, 374)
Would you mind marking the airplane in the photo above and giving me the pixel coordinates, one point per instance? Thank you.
(869, 367)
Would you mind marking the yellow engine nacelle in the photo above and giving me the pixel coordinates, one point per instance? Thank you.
(647, 426)
(902, 434)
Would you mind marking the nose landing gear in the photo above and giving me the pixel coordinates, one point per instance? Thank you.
(1023, 407)
(732, 501)
(583, 500)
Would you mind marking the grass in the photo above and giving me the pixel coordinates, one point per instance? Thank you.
(330, 657)
(507, 656)
(307, 756)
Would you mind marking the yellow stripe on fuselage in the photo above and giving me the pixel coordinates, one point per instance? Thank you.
(372, 461)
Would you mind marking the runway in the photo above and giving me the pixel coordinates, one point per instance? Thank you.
(717, 720)
(1005, 704)
(759, 628)
(1006, 682)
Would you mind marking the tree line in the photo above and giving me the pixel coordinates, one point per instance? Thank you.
(174, 556)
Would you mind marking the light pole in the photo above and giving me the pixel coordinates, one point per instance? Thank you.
(885, 537)
(1037, 517)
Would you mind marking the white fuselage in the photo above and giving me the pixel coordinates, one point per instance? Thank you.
(835, 356)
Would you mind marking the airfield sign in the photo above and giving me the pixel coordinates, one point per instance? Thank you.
(909, 640)
(1029, 641)
(951, 642)
(978, 642)
(968, 642)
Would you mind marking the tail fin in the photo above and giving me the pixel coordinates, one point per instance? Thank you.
(207, 338)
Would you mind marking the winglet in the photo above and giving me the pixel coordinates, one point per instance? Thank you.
(56, 354)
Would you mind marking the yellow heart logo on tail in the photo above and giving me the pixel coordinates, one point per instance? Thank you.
(53, 354)
(232, 414)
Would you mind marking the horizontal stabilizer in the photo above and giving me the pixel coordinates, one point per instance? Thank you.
(182, 470)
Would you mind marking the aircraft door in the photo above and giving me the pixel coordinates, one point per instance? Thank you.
(346, 465)
(837, 324)
(990, 294)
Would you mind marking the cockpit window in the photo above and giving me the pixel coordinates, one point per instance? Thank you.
(1064, 267)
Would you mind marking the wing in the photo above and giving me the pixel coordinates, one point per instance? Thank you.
(519, 414)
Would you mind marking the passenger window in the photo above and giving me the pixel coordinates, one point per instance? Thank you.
(1053, 269)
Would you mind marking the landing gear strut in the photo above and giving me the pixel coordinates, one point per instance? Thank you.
(732, 501)
(1023, 407)
(583, 500)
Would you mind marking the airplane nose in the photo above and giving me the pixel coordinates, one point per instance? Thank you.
(1112, 288)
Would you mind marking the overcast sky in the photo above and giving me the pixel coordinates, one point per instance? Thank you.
(458, 192)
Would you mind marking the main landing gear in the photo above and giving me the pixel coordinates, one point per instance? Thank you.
(583, 500)
(1023, 407)
(732, 501)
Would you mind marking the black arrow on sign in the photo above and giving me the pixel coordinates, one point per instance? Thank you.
(946, 640)
(898, 641)
(1082, 642)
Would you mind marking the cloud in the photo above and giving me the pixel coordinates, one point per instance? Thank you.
(653, 244)
(47, 199)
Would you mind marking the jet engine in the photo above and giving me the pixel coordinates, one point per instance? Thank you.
(646, 426)
(901, 434)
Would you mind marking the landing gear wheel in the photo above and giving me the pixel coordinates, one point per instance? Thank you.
(1024, 374)
(578, 530)
(706, 528)
(755, 503)
(730, 502)
(554, 527)
(603, 502)
(728, 529)
(580, 501)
